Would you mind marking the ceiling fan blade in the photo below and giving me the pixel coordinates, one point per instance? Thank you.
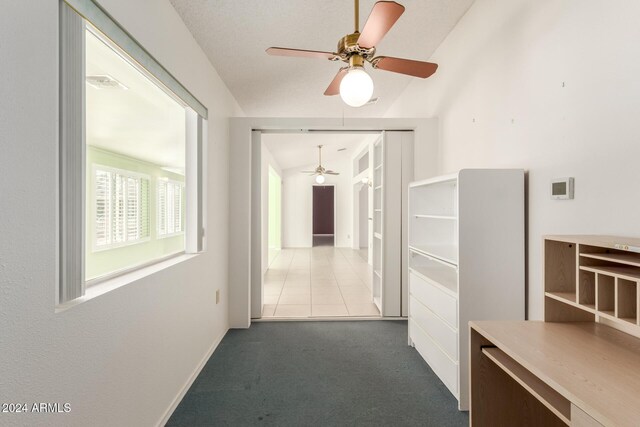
(331, 173)
(283, 51)
(405, 66)
(382, 17)
(334, 86)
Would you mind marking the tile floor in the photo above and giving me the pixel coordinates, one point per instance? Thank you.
(318, 282)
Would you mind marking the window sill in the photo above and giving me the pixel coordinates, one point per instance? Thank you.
(125, 279)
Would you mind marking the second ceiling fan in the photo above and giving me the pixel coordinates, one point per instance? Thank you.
(320, 171)
(353, 83)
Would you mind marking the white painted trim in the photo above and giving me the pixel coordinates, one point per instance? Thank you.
(255, 297)
(187, 385)
(118, 36)
(72, 157)
(327, 319)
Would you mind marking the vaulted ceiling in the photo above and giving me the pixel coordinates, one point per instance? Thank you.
(235, 33)
(291, 150)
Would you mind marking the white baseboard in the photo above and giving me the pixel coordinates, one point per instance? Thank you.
(190, 380)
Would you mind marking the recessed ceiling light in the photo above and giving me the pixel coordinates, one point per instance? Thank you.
(105, 81)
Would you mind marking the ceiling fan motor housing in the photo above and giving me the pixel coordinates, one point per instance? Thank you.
(348, 47)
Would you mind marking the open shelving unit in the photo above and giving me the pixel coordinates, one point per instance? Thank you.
(458, 225)
(390, 155)
(593, 278)
(378, 245)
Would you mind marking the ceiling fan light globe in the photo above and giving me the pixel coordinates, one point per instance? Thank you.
(356, 88)
(320, 179)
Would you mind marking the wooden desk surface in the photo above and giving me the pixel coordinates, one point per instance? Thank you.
(594, 366)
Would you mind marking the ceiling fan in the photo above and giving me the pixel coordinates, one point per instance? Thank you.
(320, 171)
(352, 83)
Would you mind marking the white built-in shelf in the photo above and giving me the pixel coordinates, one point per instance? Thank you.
(377, 210)
(466, 262)
(377, 273)
(377, 167)
(451, 178)
(447, 217)
(443, 276)
(379, 187)
(446, 253)
(377, 236)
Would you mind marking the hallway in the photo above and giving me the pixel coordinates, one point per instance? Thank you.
(318, 374)
(318, 282)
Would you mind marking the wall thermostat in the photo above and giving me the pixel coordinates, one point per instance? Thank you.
(562, 188)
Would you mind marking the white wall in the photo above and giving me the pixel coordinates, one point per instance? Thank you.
(297, 204)
(551, 86)
(267, 160)
(123, 357)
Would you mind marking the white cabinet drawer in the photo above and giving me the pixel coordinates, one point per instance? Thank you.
(439, 331)
(445, 368)
(436, 299)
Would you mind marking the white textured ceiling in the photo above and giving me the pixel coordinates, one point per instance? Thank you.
(293, 150)
(235, 33)
(142, 121)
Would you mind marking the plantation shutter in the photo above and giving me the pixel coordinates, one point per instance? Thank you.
(119, 213)
(103, 207)
(144, 208)
(177, 208)
(162, 207)
(121, 207)
(133, 209)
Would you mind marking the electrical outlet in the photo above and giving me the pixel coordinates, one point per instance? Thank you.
(217, 296)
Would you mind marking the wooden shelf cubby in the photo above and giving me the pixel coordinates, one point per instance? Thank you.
(626, 301)
(598, 275)
(606, 294)
(587, 289)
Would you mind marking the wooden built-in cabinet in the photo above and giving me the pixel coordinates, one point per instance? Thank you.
(597, 277)
(581, 366)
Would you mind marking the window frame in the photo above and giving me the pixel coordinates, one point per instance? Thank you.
(77, 17)
(94, 208)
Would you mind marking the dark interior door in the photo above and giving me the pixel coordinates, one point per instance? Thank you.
(323, 221)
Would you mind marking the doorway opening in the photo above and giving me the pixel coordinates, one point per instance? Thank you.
(323, 211)
(317, 271)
